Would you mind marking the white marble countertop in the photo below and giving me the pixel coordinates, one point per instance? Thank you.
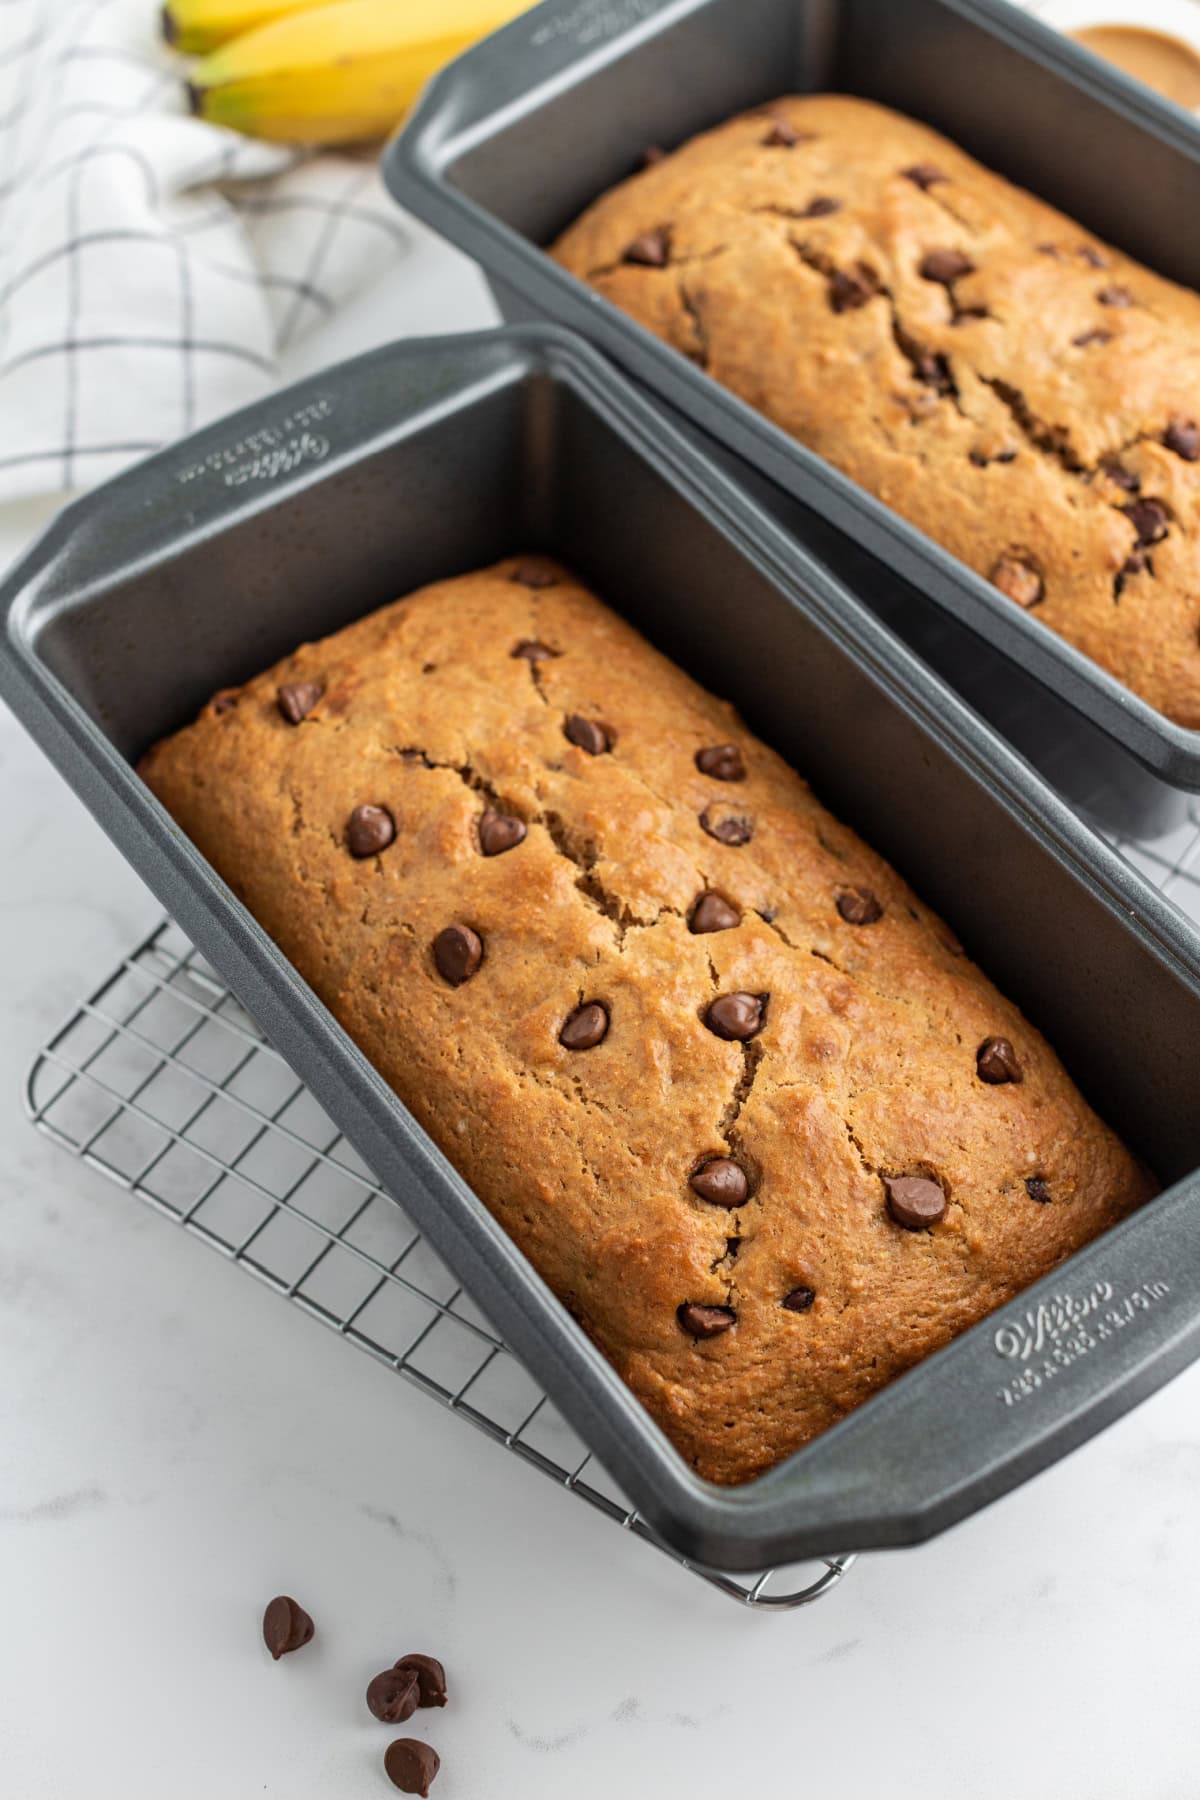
(176, 1445)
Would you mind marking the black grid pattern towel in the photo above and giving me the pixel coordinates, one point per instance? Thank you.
(152, 267)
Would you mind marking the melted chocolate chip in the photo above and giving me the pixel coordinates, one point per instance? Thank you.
(650, 250)
(536, 572)
(783, 135)
(944, 266)
(858, 905)
(720, 1181)
(1124, 478)
(1136, 563)
(705, 1321)
(996, 1061)
(1150, 520)
(924, 175)
(394, 1696)
(587, 734)
(1018, 579)
(225, 700)
(914, 1201)
(531, 651)
(296, 699)
(499, 832)
(728, 830)
(1036, 1188)
(369, 830)
(737, 1017)
(285, 1627)
(458, 952)
(1115, 296)
(1092, 257)
(722, 761)
(821, 206)
(411, 1765)
(852, 288)
(799, 1300)
(711, 913)
(1091, 337)
(430, 1675)
(1183, 437)
(934, 371)
(585, 1028)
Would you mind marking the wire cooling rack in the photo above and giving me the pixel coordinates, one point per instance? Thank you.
(162, 1082)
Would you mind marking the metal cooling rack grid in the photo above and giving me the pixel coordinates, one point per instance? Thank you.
(164, 1084)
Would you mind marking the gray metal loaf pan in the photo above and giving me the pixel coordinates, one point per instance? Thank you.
(209, 561)
(511, 142)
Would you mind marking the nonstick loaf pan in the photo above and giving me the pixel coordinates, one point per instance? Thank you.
(207, 562)
(510, 143)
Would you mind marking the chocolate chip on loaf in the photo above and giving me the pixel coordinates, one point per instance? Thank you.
(738, 1016)
(411, 1765)
(652, 155)
(705, 1321)
(784, 136)
(286, 1626)
(1017, 578)
(729, 829)
(1136, 563)
(711, 913)
(588, 734)
(296, 699)
(394, 1695)
(945, 266)
(821, 206)
(799, 1300)
(224, 700)
(1086, 338)
(996, 1062)
(851, 288)
(1115, 296)
(369, 830)
(532, 651)
(431, 1677)
(720, 1181)
(858, 905)
(924, 175)
(458, 952)
(499, 832)
(722, 761)
(650, 250)
(585, 1028)
(1037, 1189)
(1150, 519)
(1183, 437)
(536, 572)
(914, 1201)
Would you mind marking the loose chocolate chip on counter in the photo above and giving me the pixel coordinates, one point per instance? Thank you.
(649, 251)
(296, 699)
(799, 1300)
(737, 1017)
(458, 952)
(858, 905)
(945, 266)
(1037, 1189)
(531, 651)
(1091, 337)
(430, 1674)
(411, 1765)
(783, 135)
(996, 1061)
(370, 829)
(705, 1321)
(720, 1181)
(586, 1027)
(711, 913)
(821, 206)
(395, 1695)
(587, 734)
(1019, 580)
(924, 175)
(1115, 296)
(722, 761)
(499, 832)
(536, 572)
(914, 1201)
(852, 288)
(1183, 437)
(1092, 257)
(285, 1627)
(729, 830)
(1149, 519)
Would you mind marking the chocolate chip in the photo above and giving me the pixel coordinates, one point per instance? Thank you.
(531, 651)
(430, 1674)
(224, 700)
(934, 370)
(720, 1181)
(1049, 249)
(821, 207)
(585, 1028)
(394, 1696)
(799, 1300)
(1036, 1188)
(996, 1061)
(1150, 520)
(945, 266)
(499, 832)
(652, 154)
(587, 734)
(737, 1016)
(914, 1201)
(458, 952)
(1183, 437)
(705, 1321)
(536, 572)
(924, 175)
(858, 905)
(411, 1765)
(783, 135)
(722, 761)
(1124, 478)
(711, 913)
(963, 313)
(850, 289)
(1091, 337)
(1136, 563)
(1091, 257)
(728, 830)
(297, 698)
(1019, 580)
(370, 830)
(286, 1626)
(1115, 296)
(650, 250)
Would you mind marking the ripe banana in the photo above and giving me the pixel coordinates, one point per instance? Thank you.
(197, 26)
(337, 74)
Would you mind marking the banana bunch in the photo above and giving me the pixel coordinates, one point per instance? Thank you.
(316, 72)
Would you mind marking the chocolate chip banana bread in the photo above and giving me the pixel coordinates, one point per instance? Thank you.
(736, 1093)
(1024, 394)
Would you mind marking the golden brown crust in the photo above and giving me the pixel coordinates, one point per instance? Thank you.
(866, 1065)
(989, 407)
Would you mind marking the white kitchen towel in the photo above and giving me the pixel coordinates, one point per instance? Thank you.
(152, 267)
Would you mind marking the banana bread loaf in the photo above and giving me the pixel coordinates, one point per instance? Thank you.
(737, 1094)
(1024, 394)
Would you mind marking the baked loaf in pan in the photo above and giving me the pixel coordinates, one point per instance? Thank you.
(1027, 396)
(737, 1094)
